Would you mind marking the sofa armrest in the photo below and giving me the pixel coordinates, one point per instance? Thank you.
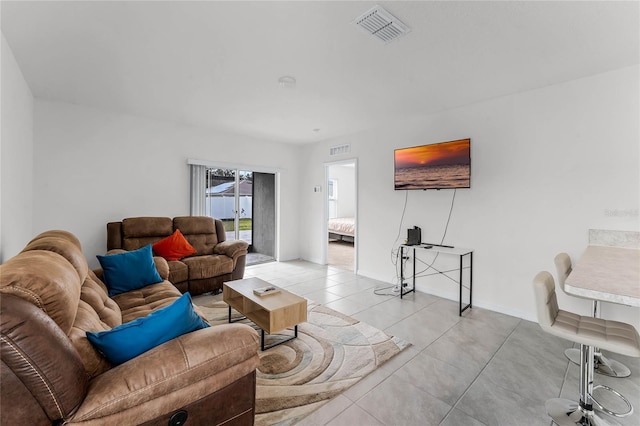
(231, 248)
(115, 251)
(114, 235)
(42, 375)
(171, 375)
(162, 266)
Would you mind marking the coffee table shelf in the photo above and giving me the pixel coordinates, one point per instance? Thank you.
(272, 313)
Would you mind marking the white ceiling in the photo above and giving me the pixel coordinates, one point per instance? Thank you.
(216, 64)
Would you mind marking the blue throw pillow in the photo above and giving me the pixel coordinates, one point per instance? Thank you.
(129, 271)
(130, 339)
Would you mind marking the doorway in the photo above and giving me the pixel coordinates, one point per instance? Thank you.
(341, 217)
(244, 201)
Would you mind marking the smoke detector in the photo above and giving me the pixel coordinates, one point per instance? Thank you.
(381, 24)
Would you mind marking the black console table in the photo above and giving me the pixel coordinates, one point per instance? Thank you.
(405, 250)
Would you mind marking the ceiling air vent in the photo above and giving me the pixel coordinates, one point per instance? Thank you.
(340, 149)
(381, 24)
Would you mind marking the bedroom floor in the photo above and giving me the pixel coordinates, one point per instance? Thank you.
(341, 254)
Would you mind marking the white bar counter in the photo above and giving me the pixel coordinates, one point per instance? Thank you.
(610, 274)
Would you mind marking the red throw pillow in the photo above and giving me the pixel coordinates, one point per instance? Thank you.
(174, 247)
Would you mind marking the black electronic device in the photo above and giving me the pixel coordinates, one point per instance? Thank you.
(414, 236)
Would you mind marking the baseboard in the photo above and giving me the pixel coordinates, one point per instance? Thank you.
(453, 295)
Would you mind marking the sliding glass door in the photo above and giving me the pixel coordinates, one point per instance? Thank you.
(230, 199)
(245, 202)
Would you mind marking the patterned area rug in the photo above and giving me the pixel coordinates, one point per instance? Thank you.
(332, 352)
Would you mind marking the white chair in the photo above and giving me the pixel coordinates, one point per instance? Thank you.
(602, 364)
(589, 332)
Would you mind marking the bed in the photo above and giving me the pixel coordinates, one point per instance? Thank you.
(342, 228)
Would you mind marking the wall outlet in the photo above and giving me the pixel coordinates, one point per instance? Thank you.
(317, 188)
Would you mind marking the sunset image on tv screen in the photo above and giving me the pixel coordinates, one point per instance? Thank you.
(436, 166)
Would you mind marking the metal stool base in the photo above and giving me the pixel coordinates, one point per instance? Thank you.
(599, 406)
(573, 354)
(611, 367)
(603, 365)
(566, 412)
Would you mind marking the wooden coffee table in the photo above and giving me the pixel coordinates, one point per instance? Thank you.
(272, 313)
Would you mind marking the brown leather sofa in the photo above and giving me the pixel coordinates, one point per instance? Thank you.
(51, 374)
(216, 261)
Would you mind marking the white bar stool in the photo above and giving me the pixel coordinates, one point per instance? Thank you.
(602, 365)
(589, 332)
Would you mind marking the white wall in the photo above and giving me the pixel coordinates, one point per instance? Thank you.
(16, 157)
(346, 201)
(93, 166)
(547, 165)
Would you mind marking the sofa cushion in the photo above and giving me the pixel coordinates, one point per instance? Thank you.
(208, 266)
(139, 231)
(59, 233)
(63, 243)
(96, 312)
(200, 231)
(45, 279)
(129, 271)
(141, 302)
(178, 271)
(174, 247)
(131, 339)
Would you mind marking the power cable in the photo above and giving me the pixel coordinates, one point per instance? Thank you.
(395, 253)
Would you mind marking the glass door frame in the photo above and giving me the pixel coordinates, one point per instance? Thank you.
(237, 174)
(276, 171)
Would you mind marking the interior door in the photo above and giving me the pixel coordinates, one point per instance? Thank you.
(341, 203)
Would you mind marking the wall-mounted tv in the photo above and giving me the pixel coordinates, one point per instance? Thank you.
(436, 166)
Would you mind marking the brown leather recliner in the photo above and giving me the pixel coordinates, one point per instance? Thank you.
(51, 374)
(217, 259)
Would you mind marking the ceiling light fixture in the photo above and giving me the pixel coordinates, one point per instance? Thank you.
(287, 82)
(381, 24)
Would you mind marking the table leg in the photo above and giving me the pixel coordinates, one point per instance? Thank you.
(460, 285)
(468, 306)
(470, 279)
(264, 348)
(235, 320)
(401, 269)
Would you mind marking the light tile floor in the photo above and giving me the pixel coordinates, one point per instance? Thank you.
(484, 368)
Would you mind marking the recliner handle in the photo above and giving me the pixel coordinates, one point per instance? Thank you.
(179, 418)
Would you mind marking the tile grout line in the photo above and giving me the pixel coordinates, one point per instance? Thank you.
(455, 406)
(391, 373)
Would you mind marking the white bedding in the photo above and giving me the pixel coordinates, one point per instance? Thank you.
(342, 226)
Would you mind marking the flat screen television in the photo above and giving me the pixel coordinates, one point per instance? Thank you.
(436, 166)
